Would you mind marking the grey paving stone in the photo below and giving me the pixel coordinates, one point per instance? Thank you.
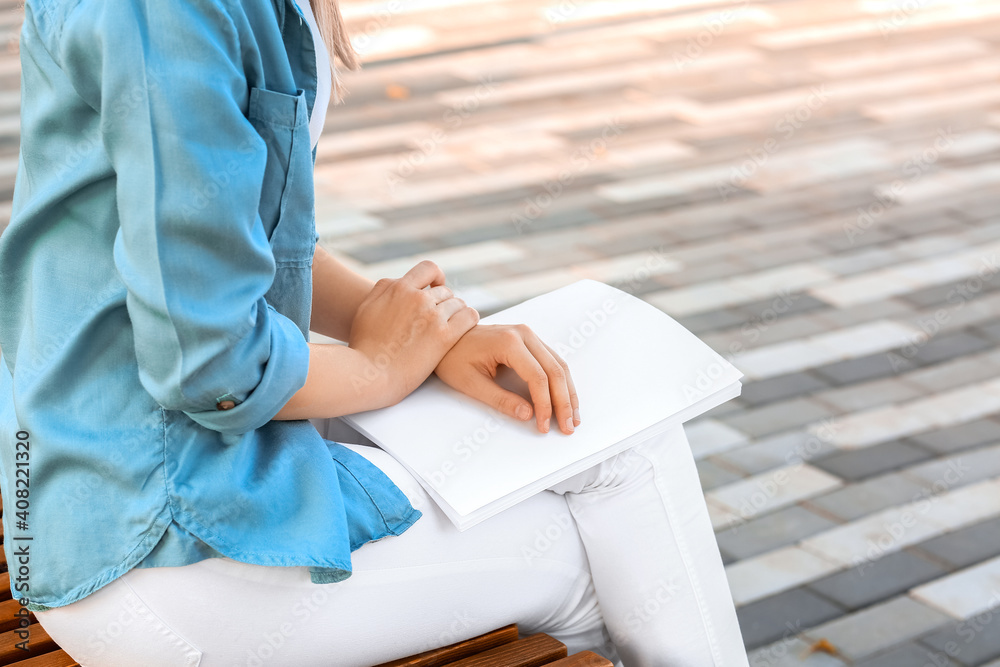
(733, 407)
(780, 528)
(872, 495)
(877, 580)
(970, 642)
(625, 245)
(861, 464)
(909, 655)
(839, 241)
(990, 330)
(866, 312)
(955, 372)
(959, 437)
(966, 546)
(949, 346)
(777, 417)
(477, 234)
(392, 250)
(866, 259)
(880, 627)
(795, 251)
(713, 475)
(781, 387)
(771, 618)
(765, 310)
(862, 369)
(919, 222)
(774, 451)
(940, 296)
(960, 469)
(788, 328)
(712, 320)
(867, 395)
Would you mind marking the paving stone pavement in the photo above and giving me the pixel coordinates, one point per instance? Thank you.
(811, 187)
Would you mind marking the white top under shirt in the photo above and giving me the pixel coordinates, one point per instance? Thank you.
(323, 74)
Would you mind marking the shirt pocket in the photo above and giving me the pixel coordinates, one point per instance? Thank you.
(286, 202)
(287, 208)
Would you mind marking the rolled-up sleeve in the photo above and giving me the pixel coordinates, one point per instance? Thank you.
(167, 78)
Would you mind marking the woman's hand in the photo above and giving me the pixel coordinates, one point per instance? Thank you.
(471, 366)
(404, 330)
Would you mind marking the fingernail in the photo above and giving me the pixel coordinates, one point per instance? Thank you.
(523, 412)
(545, 426)
(569, 424)
(576, 414)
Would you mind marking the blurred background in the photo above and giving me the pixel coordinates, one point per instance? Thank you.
(811, 187)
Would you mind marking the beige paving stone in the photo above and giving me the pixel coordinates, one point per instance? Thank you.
(966, 593)
(774, 489)
(877, 535)
(847, 343)
(870, 427)
(758, 577)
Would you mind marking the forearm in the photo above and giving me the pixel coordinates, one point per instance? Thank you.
(341, 381)
(337, 292)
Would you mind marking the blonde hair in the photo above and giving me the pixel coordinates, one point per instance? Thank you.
(338, 43)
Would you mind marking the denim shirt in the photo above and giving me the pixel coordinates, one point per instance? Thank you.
(155, 296)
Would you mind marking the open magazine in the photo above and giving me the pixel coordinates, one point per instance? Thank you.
(637, 373)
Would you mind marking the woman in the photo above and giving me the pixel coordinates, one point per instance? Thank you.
(159, 278)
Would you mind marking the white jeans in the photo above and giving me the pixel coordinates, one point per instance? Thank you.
(620, 559)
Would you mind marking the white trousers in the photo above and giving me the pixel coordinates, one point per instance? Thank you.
(620, 559)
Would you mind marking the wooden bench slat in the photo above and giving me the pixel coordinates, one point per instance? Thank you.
(5, 586)
(38, 640)
(7, 619)
(58, 658)
(533, 651)
(585, 659)
(453, 652)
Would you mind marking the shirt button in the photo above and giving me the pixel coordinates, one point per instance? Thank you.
(225, 405)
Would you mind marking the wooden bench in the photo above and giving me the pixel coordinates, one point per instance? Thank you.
(499, 648)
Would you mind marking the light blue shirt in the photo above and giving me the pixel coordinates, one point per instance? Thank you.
(157, 268)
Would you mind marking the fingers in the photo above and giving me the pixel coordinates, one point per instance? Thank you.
(489, 392)
(423, 274)
(440, 293)
(528, 369)
(574, 399)
(560, 385)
